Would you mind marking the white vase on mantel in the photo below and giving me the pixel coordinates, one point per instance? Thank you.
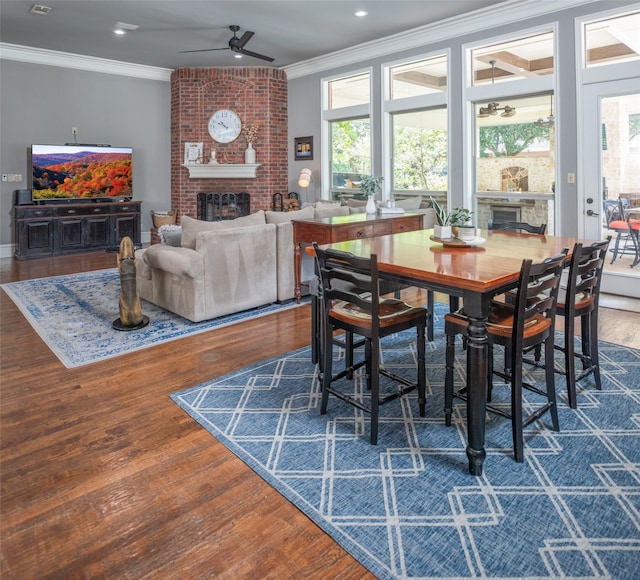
(250, 155)
(371, 205)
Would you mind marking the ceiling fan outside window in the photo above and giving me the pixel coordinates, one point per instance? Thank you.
(236, 44)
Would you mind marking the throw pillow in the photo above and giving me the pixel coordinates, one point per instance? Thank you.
(170, 235)
(279, 217)
(192, 227)
(410, 203)
(356, 203)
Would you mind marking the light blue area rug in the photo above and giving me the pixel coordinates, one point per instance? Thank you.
(408, 508)
(73, 315)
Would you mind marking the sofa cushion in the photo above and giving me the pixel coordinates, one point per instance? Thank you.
(280, 217)
(192, 227)
(325, 212)
(357, 203)
(409, 203)
(177, 261)
(324, 203)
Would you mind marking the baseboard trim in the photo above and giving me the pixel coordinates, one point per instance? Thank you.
(7, 250)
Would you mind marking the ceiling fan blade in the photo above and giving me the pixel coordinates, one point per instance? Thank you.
(254, 54)
(203, 50)
(244, 39)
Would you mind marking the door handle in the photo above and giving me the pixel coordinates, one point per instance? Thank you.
(591, 212)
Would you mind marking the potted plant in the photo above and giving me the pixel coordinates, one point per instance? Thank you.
(370, 186)
(458, 216)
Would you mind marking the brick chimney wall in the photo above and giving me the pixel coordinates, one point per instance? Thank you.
(259, 97)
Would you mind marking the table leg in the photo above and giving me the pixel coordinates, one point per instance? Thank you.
(297, 267)
(476, 307)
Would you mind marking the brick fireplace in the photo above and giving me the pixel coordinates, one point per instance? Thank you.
(259, 97)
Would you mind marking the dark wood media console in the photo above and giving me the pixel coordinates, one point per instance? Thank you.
(69, 228)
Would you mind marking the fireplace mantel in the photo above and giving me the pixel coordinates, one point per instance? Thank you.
(222, 170)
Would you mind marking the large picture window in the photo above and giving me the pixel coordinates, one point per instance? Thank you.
(419, 158)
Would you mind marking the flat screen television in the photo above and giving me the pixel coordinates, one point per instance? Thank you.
(69, 172)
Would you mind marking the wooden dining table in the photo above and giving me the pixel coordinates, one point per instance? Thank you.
(475, 273)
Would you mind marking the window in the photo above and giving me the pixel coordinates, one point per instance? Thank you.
(349, 91)
(350, 154)
(423, 77)
(419, 158)
(348, 132)
(611, 41)
(515, 59)
(515, 158)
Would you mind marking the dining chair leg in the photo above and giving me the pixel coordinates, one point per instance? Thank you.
(315, 331)
(421, 345)
(516, 413)
(550, 378)
(348, 353)
(430, 306)
(373, 380)
(327, 366)
(490, 370)
(448, 378)
(615, 248)
(569, 361)
(593, 348)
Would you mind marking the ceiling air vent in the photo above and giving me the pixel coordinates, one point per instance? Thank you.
(40, 9)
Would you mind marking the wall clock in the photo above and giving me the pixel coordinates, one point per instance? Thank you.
(224, 126)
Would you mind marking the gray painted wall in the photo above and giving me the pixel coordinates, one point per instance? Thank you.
(40, 104)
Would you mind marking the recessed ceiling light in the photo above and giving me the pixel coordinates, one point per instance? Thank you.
(40, 9)
(360, 13)
(237, 56)
(122, 27)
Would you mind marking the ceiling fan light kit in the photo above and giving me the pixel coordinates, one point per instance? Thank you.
(237, 44)
(550, 121)
(493, 108)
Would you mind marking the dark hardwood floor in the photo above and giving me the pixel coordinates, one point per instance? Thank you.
(102, 475)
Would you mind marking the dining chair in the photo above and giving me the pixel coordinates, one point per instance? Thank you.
(521, 227)
(523, 324)
(634, 233)
(616, 222)
(352, 303)
(580, 300)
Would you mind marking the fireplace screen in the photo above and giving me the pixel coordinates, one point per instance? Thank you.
(214, 207)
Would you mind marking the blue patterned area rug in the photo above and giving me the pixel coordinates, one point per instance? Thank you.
(73, 315)
(408, 508)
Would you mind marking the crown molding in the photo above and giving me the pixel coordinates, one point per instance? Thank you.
(476, 21)
(80, 62)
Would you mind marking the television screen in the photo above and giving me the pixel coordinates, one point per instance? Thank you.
(81, 171)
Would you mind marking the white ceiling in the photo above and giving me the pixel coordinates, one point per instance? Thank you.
(290, 31)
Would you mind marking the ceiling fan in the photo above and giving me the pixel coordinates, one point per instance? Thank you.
(236, 45)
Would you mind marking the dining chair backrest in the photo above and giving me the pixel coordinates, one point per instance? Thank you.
(536, 296)
(512, 226)
(585, 275)
(614, 212)
(350, 278)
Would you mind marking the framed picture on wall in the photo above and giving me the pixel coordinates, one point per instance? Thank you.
(303, 147)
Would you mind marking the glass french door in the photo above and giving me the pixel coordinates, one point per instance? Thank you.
(611, 162)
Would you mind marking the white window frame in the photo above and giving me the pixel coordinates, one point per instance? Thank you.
(406, 105)
(341, 114)
(503, 91)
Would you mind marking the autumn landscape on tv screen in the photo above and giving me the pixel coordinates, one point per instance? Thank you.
(81, 172)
